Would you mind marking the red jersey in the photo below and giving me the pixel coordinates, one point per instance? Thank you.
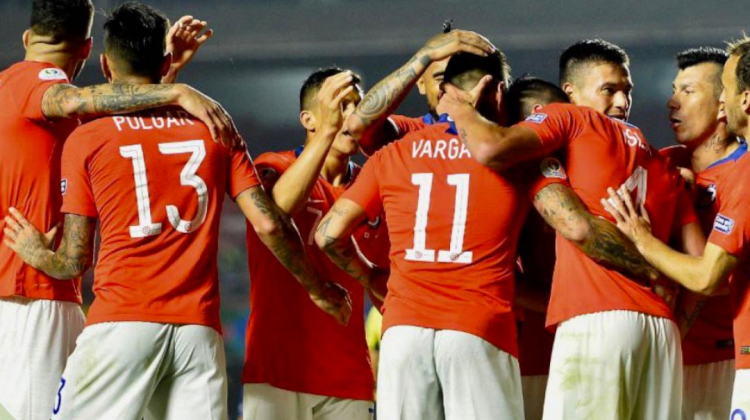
(30, 173)
(536, 249)
(156, 182)
(731, 232)
(402, 125)
(710, 339)
(454, 227)
(290, 343)
(601, 152)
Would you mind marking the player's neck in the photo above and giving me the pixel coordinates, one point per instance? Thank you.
(335, 169)
(132, 80)
(720, 145)
(55, 55)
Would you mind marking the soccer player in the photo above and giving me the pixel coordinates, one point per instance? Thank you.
(373, 123)
(725, 257)
(449, 348)
(300, 363)
(595, 73)
(41, 317)
(629, 365)
(156, 183)
(708, 150)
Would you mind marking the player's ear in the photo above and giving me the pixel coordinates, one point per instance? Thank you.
(420, 86)
(537, 108)
(569, 90)
(307, 119)
(105, 67)
(745, 102)
(166, 64)
(25, 38)
(88, 45)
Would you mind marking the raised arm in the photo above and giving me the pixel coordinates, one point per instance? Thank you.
(71, 259)
(334, 237)
(68, 101)
(294, 186)
(278, 233)
(184, 39)
(599, 239)
(368, 123)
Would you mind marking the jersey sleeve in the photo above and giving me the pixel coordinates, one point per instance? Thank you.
(242, 175)
(554, 124)
(270, 167)
(538, 175)
(731, 229)
(405, 125)
(366, 189)
(686, 213)
(32, 87)
(77, 192)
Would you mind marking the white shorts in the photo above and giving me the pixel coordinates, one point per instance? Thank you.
(36, 338)
(264, 402)
(534, 388)
(128, 370)
(741, 396)
(618, 365)
(707, 391)
(446, 374)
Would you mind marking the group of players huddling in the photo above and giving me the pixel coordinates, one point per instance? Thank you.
(636, 260)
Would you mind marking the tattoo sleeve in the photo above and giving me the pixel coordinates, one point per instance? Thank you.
(68, 101)
(75, 254)
(341, 248)
(599, 239)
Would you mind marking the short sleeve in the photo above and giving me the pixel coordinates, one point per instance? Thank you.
(405, 125)
(242, 175)
(366, 189)
(33, 86)
(537, 175)
(731, 228)
(554, 125)
(77, 193)
(270, 166)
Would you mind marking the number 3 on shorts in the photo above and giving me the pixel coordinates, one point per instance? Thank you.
(58, 402)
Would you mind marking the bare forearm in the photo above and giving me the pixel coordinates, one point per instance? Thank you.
(685, 269)
(62, 265)
(343, 253)
(66, 101)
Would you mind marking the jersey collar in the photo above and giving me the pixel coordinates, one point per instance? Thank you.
(349, 171)
(738, 153)
(429, 119)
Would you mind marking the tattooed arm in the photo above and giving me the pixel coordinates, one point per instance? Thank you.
(278, 233)
(367, 123)
(67, 101)
(72, 258)
(334, 237)
(599, 239)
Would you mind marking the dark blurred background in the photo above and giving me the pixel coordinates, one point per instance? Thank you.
(264, 49)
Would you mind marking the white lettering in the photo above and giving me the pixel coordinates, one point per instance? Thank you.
(143, 124)
(185, 117)
(158, 122)
(119, 121)
(132, 120)
(415, 148)
(440, 149)
(171, 120)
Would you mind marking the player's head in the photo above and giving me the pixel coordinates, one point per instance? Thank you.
(344, 144)
(596, 74)
(429, 83)
(465, 71)
(135, 43)
(694, 105)
(736, 81)
(527, 94)
(62, 26)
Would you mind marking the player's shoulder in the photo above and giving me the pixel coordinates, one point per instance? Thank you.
(34, 71)
(270, 165)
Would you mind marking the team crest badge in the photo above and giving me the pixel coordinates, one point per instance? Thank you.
(707, 197)
(537, 118)
(552, 168)
(723, 224)
(52, 74)
(64, 186)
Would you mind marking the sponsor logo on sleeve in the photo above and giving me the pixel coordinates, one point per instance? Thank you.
(52, 74)
(552, 168)
(64, 186)
(723, 224)
(537, 118)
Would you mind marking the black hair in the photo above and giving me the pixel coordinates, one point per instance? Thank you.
(136, 35)
(314, 82)
(464, 70)
(590, 51)
(62, 19)
(694, 56)
(527, 91)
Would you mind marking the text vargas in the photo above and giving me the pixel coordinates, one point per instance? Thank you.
(440, 149)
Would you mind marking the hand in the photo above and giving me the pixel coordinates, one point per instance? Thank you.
(451, 98)
(379, 282)
(330, 96)
(620, 205)
(688, 175)
(334, 300)
(210, 113)
(24, 239)
(442, 46)
(183, 41)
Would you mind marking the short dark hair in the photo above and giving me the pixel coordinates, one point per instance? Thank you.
(695, 56)
(527, 91)
(136, 34)
(464, 70)
(741, 48)
(314, 82)
(590, 51)
(62, 19)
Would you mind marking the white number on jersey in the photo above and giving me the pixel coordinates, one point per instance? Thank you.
(638, 181)
(455, 254)
(188, 176)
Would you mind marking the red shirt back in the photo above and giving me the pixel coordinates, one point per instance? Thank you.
(31, 147)
(156, 181)
(710, 339)
(290, 343)
(453, 226)
(601, 152)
